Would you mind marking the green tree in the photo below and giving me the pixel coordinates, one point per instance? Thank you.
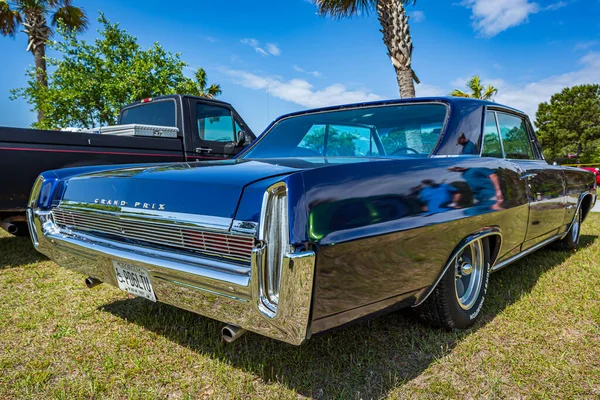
(32, 15)
(477, 90)
(91, 81)
(338, 143)
(570, 123)
(395, 30)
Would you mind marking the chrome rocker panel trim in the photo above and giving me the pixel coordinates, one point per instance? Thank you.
(219, 290)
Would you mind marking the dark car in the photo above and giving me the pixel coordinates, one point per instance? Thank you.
(203, 129)
(595, 171)
(331, 215)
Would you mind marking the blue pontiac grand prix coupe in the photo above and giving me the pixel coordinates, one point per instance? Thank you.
(331, 215)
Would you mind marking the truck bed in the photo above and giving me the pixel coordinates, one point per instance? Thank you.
(24, 153)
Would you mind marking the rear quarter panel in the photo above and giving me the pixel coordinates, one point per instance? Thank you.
(382, 233)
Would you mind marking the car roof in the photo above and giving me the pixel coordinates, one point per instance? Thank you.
(452, 101)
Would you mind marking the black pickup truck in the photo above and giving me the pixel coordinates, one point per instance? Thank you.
(207, 129)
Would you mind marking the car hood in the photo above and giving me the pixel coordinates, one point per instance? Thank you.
(210, 189)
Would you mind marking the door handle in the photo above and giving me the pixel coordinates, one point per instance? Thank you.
(527, 176)
(203, 150)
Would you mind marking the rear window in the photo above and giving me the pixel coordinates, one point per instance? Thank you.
(161, 113)
(404, 130)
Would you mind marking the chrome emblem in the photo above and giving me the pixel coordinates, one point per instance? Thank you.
(137, 204)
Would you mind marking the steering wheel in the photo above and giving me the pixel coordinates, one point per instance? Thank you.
(405, 150)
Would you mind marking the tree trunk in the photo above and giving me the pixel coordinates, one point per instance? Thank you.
(397, 39)
(405, 83)
(39, 54)
(38, 32)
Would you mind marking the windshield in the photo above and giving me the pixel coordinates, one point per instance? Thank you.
(400, 130)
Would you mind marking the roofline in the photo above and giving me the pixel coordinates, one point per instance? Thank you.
(442, 99)
(175, 96)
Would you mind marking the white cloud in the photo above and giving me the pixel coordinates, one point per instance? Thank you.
(426, 90)
(273, 49)
(527, 97)
(269, 49)
(316, 74)
(417, 16)
(491, 17)
(300, 91)
(555, 6)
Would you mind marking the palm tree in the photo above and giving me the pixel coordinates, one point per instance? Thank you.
(394, 26)
(201, 81)
(477, 90)
(32, 15)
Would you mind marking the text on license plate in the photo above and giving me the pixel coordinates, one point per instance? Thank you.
(134, 279)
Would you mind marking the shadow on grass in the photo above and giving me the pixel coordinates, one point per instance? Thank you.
(366, 360)
(16, 251)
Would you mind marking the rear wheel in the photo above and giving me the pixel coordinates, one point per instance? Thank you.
(571, 241)
(457, 300)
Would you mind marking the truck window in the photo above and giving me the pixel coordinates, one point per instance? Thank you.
(214, 123)
(161, 113)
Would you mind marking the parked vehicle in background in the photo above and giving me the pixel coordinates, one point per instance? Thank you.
(199, 129)
(331, 215)
(595, 171)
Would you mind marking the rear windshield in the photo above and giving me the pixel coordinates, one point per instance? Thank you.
(407, 130)
(161, 113)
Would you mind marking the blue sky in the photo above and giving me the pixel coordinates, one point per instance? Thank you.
(273, 57)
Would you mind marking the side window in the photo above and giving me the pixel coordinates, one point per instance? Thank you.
(214, 123)
(515, 139)
(491, 138)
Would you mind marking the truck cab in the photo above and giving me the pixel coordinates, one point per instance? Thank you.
(208, 128)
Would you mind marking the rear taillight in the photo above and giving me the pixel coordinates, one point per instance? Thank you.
(274, 233)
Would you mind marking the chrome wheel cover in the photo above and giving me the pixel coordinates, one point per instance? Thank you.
(469, 267)
(575, 227)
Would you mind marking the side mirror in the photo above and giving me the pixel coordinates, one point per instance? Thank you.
(243, 139)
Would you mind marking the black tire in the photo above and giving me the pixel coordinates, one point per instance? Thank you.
(571, 241)
(443, 308)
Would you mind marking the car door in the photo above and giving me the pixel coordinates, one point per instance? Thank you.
(214, 130)
(545, 183)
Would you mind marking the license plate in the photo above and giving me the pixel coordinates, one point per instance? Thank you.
(134, 280)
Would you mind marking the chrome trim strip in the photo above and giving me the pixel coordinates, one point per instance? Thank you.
(464, 243)
(522, 254)
(165, 217)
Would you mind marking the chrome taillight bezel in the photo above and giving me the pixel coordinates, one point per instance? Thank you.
(274, 237)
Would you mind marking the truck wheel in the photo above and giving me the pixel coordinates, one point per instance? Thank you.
(571, 241)
(457, 300)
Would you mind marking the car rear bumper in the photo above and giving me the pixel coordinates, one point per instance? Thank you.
(219, 290)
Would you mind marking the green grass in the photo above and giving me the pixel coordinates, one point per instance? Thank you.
(539, 338)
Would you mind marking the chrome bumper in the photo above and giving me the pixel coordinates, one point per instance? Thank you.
(226, 292)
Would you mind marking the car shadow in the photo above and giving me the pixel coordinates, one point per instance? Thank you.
(367, 359)
(16, 251)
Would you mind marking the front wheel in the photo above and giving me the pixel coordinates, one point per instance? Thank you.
(457, 300)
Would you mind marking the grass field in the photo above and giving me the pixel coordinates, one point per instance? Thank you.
(539, 338)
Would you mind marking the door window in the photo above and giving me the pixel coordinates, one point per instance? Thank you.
(491, 138)
(215, 123)
(515, 138)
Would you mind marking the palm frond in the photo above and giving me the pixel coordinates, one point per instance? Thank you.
(475, 85)
(73, 17)
(489, 93)
(214, 90)
(459, 93)
(9, 19)
(349, 8)
(200, 76)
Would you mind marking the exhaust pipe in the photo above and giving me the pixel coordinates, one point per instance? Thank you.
(8, 227)
(230, 333)
(92, 282)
